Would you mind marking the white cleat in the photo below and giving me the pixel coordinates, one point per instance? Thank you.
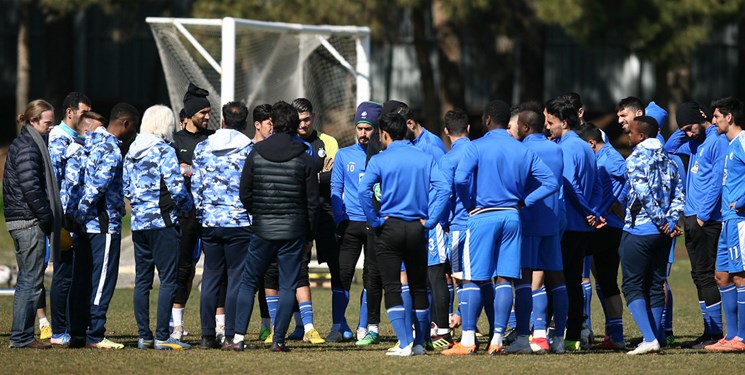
(646, 348)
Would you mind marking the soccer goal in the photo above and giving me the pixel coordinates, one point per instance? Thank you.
(261, 62)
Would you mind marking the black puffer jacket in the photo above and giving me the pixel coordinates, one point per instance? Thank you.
(279, 188)
(24, 184)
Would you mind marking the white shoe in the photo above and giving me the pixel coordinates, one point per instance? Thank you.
(418, 350)
(178, 332)
(220, 333)
(361, 333)
(646, 348)
(557, 346)
(400, 352)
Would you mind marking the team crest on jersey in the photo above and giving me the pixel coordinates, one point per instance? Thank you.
(695, 168)
(322, 152)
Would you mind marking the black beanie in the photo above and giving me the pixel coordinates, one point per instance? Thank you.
(689, 113)
(195, 100)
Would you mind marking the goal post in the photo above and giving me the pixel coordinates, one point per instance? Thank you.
(263, 62)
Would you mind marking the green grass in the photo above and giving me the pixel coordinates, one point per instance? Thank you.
(346, 358)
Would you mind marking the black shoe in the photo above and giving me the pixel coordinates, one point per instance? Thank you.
(230, 345)
(279, 347)
(34, 345)
(209, 342)
(702, 341)
(77, 342)
(441, 342)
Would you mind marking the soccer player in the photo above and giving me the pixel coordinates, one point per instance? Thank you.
(654, 202)
(100, 212)
(226, 232)
(405, 174)
(728, 113)
(627, 110)
(542, 226)
(611, 170)
(697, 138)
(349, 217)
(500, 167)
(155, 189)
(60, 138)
(279, 188)
(582, 192)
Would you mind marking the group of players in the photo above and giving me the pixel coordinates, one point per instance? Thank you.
(516, 218)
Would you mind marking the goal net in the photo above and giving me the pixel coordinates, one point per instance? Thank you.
(260, 62)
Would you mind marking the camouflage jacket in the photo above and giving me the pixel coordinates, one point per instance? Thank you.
(102, 203)
(71, 189)
(217, 165)
(60, 138)
(153, 183)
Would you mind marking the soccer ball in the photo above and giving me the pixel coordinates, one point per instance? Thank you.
(5, 275)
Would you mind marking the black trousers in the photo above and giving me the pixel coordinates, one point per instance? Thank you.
(403, 241)
(701, 243)
(605, 245)
(438, 286)
(573, 248)
(371, 278)
(190, 232)
(353, 238)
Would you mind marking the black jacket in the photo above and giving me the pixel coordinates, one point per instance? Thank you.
(279, 188)
(185, 142)
(24, 183)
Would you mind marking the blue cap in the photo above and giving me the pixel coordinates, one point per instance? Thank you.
(368, 113)
(656, 112)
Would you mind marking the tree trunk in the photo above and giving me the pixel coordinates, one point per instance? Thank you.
(452, 91)
(532, 48)
(23, 66)
(673, 86)
(431, 109)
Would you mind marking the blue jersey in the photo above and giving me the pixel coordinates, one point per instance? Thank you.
(502, 168)
(405, 174)
(612, 174)
(430, 143)
(457, 214)
(705, 169)
(733, 190)
(582, 190)
(543, 218)
(349, 167)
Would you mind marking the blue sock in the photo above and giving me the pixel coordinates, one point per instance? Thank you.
(339, 302)
(363, 309)
(560, 299)
(540, 304)
(397, 316)
(655, 320)
(429, 312)
(741, 312)
(705, 315)
(306, 312)
(502, 306)
(587, 292)
(729, 304)
(409, 308)
(512, 319)
(668, 309)
(614, 327)
(451, 292)
(272, 302)
(487, 300)
(638, 310)
(469, 303)
(422, 326)
(715, 318)
(523, 307)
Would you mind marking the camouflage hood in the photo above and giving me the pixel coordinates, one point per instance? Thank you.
(142, 144)
(227, 141)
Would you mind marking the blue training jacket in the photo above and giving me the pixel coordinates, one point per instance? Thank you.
(705, 169)
(612, 174)
(457, 214)
(545, 218)
(405, 174)
(430, 143)
(582, 190)
(734, 179)
(349, 167)
(502, 168)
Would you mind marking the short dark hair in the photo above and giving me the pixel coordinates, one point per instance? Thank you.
(395, 125)
(182, 115)
(302, 105)
(573, 98)
(95, 116)
(262, 112)
(73, 100)
(534, 119)
(647, 125)
(588, 131)
(514, 111)
(234, 115)
(456, 121)
(730, 105)
(563, 109)
(122, 110)
(499, 111)
(285, 118)
(632, 102)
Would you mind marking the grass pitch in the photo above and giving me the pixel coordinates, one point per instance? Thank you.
(346, 358)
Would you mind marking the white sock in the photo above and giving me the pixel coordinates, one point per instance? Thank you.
(539, 333)
(443, 331)
(372, 328)
(43, 322)
(497, 339)
(238, 338)
(468, 338)
(308, 327)
(178, 316)
(220, 319)
(266, 323)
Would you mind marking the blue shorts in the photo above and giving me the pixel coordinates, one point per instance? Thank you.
(493, 246)
(542, 253)
(437, 249)
(731, 242)
(457, 241)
